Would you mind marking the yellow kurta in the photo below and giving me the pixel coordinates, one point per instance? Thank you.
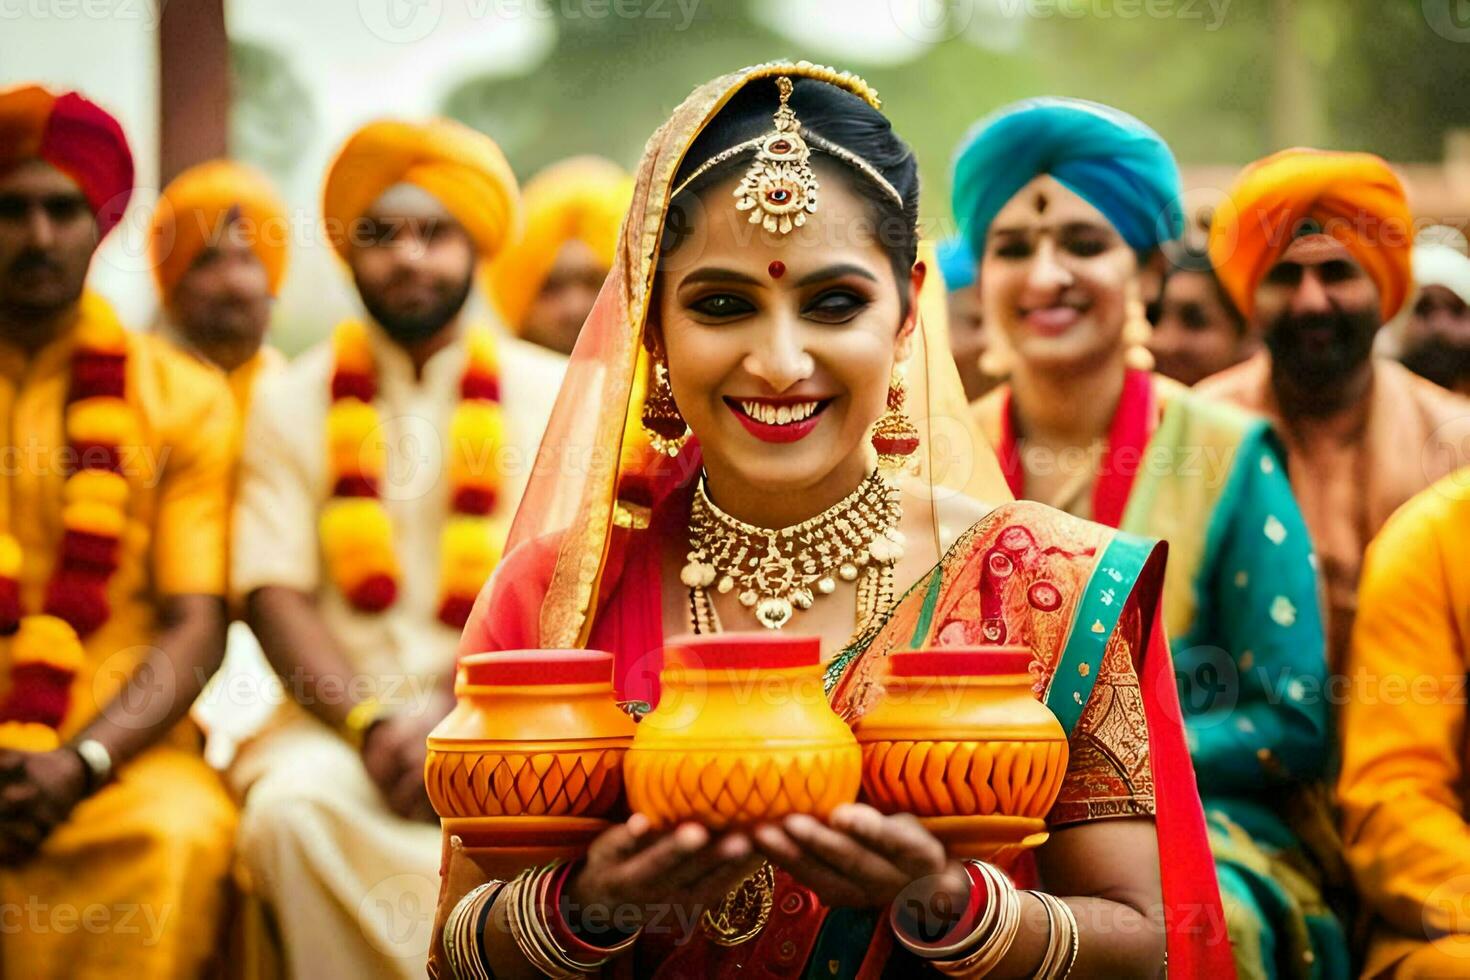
(1403, 789)
(132, 884)
(353, 885)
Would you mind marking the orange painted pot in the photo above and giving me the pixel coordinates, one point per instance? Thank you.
(960, 741)
(535, 733)
(742, 733)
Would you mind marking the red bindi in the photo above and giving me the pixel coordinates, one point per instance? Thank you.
(777, 269)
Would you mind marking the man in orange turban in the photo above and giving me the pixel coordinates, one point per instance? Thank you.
(545, 282)
(1314, 249)
(378, 474)
(112, 566)
(219, 243)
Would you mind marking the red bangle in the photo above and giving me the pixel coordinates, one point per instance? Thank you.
(974, 908)
(561, 929)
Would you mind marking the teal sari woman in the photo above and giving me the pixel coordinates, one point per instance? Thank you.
(1064, 234)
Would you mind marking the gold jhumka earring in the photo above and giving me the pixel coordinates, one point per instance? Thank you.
(667, 430)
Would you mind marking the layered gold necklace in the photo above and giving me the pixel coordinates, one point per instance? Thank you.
(776, 572)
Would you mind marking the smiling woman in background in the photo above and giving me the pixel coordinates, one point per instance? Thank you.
(1063, 202)
(784, 343)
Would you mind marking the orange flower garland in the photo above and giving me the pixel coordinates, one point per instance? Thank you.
(356, 533)
(46, 649)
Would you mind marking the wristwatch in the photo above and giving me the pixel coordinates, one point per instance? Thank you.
(97, 762)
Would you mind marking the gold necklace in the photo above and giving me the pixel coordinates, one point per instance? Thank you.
(779, 571)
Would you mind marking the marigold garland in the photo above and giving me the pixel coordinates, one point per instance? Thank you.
(46, 647)
(356, 533)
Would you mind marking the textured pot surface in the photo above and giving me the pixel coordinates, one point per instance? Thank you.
(742, 733)
(534, 733)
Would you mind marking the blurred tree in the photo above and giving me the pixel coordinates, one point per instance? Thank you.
(273, 114)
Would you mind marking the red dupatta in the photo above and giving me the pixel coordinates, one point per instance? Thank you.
(1128, 435)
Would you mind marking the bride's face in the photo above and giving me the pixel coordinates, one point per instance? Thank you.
(780, 347)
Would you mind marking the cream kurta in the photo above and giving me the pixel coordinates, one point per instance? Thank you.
(353, 885)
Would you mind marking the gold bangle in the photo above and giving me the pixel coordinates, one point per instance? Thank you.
(532, 932)
(364, 715)
(1002, 936)
(465, 957)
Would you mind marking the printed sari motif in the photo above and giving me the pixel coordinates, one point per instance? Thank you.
(1242, 609)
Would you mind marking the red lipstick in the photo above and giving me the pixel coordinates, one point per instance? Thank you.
(778, 432)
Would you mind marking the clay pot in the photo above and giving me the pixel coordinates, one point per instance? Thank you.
(961, 741)
(743, 733)
(535, 734)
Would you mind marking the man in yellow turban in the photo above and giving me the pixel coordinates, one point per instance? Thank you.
(545, 282)
(1314, 249)
(115, 836)
(378, 475)
(219, 243)
(1402, 790)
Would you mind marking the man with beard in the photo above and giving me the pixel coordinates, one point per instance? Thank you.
(379, 472)
(1435, 336)
(1314, 248)
(115, 835)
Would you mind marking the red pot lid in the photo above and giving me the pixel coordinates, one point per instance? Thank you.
(522, 668)
(989, 661)
(749, 651)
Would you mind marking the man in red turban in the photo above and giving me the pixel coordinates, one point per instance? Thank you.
(1314, 248)
(112, 565)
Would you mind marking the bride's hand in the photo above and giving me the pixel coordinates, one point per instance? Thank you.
(632, 872)
(863, 859)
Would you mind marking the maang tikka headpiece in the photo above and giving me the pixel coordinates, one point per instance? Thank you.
(779, 188)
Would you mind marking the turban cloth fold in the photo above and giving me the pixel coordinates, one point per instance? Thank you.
(463, 169)
(1107, 157)
(200, 204)
(956, 263)
(581, 199)
(75, 136)
(1353, 197)
(1441, 265)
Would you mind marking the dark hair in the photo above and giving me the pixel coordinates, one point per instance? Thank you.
(838, 116)
(1189, 257)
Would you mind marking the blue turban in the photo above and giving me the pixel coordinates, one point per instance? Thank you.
(1119, 165)
(956, 263)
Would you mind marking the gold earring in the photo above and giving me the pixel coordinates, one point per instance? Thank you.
(667, 430)
(894, 434)
(1137, 332)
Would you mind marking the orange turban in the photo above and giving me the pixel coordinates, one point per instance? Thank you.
(1354, 197)
(75, 136)
(195, 208)
(463, 169)
(582, 199)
